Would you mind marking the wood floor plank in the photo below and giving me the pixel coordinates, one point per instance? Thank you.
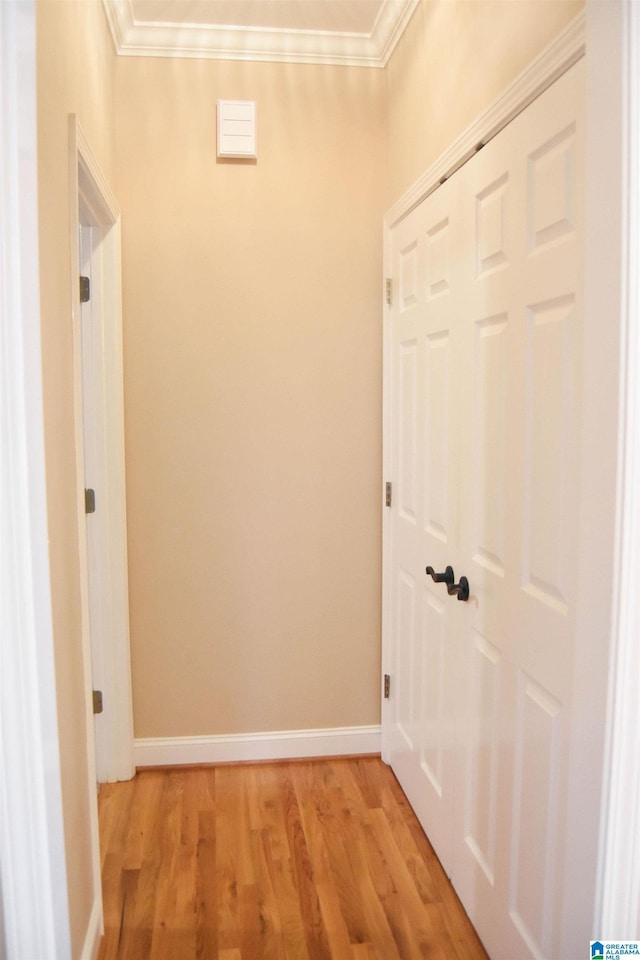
(142, 807)
(323, 802)
(165, 919)
(311, 860)
(315, 933)
(114, 818)
(153, 874)
(207, 880)
(330, 904)
(281, 875)
(265, 826)
(404, 906)
(426, 870)
(354, 879)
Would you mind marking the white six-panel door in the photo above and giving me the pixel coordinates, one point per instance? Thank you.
(486, 321)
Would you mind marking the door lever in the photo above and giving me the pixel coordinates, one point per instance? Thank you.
(459, 590)
(447, 577)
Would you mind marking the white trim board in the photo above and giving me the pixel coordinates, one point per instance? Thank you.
(33, 873)
(613, 292)
(247, 747)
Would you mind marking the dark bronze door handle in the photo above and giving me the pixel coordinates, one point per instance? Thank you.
(447, 577)
(459, 590)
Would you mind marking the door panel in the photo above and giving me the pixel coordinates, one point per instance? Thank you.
(433, 658)
(437, 401)
(425, 513)
(484, 439)
(487, 429)
(405, 672)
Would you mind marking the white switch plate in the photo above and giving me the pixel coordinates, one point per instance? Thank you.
(237, 129)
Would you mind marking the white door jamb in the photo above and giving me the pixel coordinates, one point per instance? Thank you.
(613, 296)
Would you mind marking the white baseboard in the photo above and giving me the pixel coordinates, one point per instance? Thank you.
(284, 745)
(94, 931)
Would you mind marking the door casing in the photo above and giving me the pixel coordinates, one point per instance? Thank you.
(611, 549)
(89, 190)
(91, 194)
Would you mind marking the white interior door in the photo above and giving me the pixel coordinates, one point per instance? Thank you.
(426, 487)
(486, 340)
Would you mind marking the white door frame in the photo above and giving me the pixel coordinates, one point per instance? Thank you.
(88, 187)
(90, 192)
(610, 550)
(32, 850)
(613, 300)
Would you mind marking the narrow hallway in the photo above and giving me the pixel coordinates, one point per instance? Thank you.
(317, 860)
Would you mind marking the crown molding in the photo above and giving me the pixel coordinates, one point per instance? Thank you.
(145, 39)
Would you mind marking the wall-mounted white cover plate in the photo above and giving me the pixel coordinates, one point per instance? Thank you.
(237, 129)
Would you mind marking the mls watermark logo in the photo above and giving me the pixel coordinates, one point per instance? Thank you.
(614, 949)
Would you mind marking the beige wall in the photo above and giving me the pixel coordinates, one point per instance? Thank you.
(75, 74)
(453, 61)
(252, 362)
(252, 390)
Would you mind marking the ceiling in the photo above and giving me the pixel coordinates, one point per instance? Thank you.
(346, 32)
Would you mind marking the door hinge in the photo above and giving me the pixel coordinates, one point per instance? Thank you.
(97, 701)
(85, 289)
(387, 686)
(387, 494)
(389, 289)
(89, 501)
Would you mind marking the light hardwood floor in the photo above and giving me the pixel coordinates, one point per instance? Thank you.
(317, 860)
